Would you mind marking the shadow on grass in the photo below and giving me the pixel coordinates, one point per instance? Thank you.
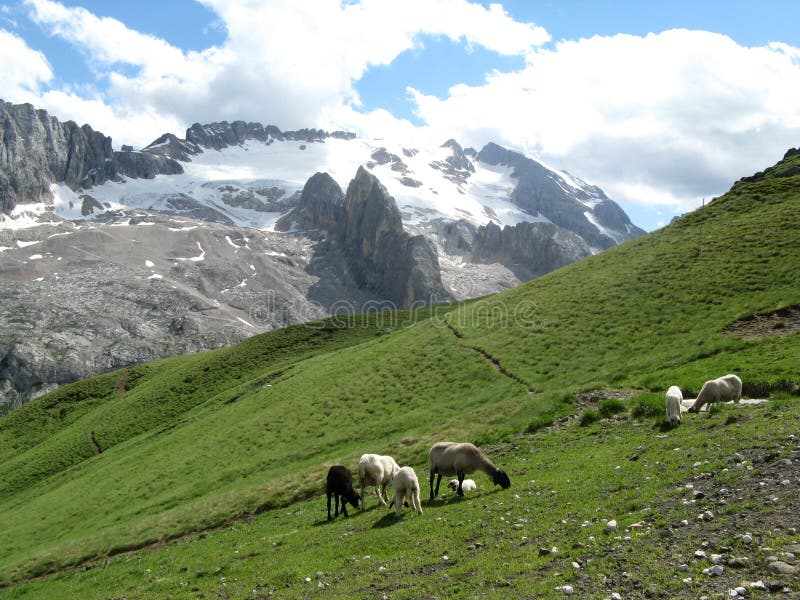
(386, 520)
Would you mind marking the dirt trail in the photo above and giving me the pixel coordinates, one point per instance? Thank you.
(494, 362)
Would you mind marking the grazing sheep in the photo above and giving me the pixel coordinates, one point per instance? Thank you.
(340, 483)
(451, 458)
(674, 399)
(722, 389)
(468, 485)
(406, 487)
(376, 470)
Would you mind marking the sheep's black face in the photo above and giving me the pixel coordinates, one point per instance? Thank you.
(500, 478)
(353, 500)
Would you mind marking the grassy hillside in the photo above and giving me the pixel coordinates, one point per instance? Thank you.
(134, 458)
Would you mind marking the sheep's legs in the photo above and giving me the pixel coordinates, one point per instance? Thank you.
(344, 506)
(435, 492)
(330, 518)
(415, 501)
(398, 503)
(460, 482)
(378, 492)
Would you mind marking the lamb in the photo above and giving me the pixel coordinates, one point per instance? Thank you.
(722, 389)
(340, 483)
(468, 485)
(376, 470)
(406, 487)
(452, 458)
(674, 399)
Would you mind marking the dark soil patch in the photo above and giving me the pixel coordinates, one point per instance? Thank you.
(783, 321)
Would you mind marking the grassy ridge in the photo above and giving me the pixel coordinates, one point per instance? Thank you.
(643, 313)
(193, 442)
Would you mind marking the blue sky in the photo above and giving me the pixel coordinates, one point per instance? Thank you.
(661, 104)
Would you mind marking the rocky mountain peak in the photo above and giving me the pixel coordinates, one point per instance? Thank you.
(564, 200)
(321, 206)
(37, 150)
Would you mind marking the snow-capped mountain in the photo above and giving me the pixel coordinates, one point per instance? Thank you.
(109, 258)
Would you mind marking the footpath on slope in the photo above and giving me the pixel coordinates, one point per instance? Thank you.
(494, 362)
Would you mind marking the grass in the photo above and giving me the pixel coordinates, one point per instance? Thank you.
(236, 442)
(489, 544)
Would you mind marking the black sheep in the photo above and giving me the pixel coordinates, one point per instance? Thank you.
(340, 483)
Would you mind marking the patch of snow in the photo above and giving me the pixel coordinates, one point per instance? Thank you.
(4, 248)
(614, 235)
(35, 257)
(149, 263)
(21, 244)
(198, 258)
(39, 279)
(156, 276)
(66, 203)
(183, 228)
(25, 216)
(232, 243)
(245, 322)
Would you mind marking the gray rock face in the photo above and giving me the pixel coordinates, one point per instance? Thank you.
(83, 299)
(37, 150)
(366, 226)
(541, 191)
(321, 206)
(170, 146)
(223, 134)
(529, 249)
(456, 167)
(385, 258)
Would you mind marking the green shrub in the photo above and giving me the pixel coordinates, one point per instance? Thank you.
(589, 417)
(647, 406)
(538, 423)
(610, 407)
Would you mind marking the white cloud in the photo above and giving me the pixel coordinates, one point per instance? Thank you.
(24, 70)
(662, 119)
(283, 62)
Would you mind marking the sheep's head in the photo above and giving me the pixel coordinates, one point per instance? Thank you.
(453, 484)
(352, 498)
(500, 478)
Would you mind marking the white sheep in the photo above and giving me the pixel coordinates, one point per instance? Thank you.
(722, 389)
(468, 485)
(377, 470)
(674, 399)
(452, 458)
(406, 487)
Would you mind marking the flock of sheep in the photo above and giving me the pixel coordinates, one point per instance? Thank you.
(444, 458)
(459, 459)
(723, 389)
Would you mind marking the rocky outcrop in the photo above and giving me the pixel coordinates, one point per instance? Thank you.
(384, 258)
(223, 134)
(171, 146)
(529, 249)
(542, 191)
(365, 224)
(457, 167)
(321, 206)
(37, 150)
